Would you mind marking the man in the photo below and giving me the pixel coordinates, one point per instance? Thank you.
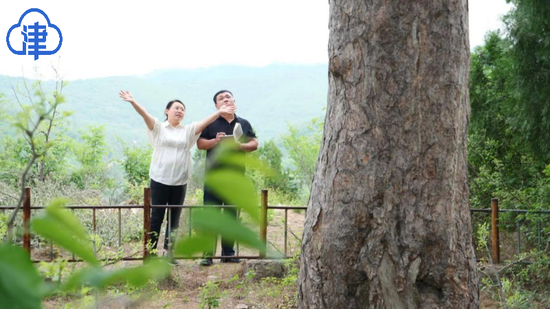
(209, 140)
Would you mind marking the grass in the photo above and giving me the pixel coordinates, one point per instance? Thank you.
(189, 286)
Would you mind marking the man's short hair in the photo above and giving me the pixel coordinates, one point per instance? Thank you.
(221, 91)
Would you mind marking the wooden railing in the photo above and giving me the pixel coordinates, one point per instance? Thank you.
(27, 210)
(494, 211)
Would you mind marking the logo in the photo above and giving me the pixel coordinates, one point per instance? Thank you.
(34, 35)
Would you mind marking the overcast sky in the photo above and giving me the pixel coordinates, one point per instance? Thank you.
(119, 37)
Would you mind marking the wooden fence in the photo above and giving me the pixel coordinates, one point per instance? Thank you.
(27, 208)
(264, 206)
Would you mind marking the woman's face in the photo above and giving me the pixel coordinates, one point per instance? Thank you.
(175, 113)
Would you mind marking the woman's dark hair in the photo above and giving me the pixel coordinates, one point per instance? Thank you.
(221, 91)
(170, 105)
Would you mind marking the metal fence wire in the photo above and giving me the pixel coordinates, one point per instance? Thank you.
(521, 218)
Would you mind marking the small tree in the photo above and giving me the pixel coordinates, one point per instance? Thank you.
(303, 148)
(29, 121)
(90, 153)
(136, 163)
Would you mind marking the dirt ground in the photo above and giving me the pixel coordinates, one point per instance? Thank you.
(183, 288)
(186, 283)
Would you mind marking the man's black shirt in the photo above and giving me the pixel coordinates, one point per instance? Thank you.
(221, 125)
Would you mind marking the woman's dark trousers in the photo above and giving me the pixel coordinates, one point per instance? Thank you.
(162, 194)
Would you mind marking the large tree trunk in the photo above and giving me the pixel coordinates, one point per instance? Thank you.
(388, 224)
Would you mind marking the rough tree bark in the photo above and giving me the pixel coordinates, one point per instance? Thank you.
(388, 224)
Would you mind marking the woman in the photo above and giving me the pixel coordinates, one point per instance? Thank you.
(171, 163)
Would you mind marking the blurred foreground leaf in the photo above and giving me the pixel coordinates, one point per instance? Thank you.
(235, 188)
(193, 245)
(154, 268)
(210, 222)
(227, 156)
(63, 228)
(20, 284)
(213, 221)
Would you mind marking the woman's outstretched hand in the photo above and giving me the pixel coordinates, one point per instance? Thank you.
(126, 96)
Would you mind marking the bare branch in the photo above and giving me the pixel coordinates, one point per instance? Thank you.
(29, 118)
(513, 263)
(21, 197)
(29, 135)
(493, 269)
(27, 88)
(291, 232)
(273, 245)
(118, 260)
(7, 194)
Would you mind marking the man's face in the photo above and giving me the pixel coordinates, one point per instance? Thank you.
(224, 98)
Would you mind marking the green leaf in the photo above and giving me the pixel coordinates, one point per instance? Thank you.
(235, 188)
(86, 276)
(63, 228)
(227, 157)
(212, 221)
(192, 245)
(155, 268)
(20, 284)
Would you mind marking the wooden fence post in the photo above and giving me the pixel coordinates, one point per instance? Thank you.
(26, 221)
(495, 240)
(263, 225)
(94, 221)
(146, 220)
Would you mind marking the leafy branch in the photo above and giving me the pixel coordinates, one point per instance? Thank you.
(29, 129)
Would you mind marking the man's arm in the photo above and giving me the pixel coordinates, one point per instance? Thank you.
(251, 145)
(207, 144)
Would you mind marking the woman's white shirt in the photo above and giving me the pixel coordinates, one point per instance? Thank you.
(171, 162)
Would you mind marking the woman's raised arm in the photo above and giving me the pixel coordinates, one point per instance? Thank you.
(224, 110)
(128, 97)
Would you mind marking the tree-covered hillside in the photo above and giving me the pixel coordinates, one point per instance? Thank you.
(268, 97)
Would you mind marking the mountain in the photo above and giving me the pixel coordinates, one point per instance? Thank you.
(268, 97)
